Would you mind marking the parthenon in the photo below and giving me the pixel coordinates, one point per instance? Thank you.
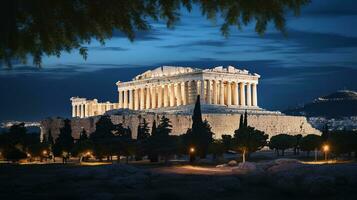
(169, 86)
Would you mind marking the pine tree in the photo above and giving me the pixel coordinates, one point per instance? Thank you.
(64, 142)
(164, 128)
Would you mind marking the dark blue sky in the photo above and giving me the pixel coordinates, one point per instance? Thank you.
(318, 56)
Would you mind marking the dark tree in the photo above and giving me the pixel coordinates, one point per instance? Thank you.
(161, 143)
(342, 142)
(245, 122)
(102, 137)
(297, 138)
(325, 133)
(248, 140)
(13, 154)
(200, 136)
(104, 128)
(228, 143)
(241, 121)
(282, 142)
(38, 28)
(216, 148)
(50, 140)
(64, 142)
(83, 135)
(142, 140)
(310, 143)
(83, 147)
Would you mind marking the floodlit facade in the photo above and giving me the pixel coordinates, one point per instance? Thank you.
(169, 86)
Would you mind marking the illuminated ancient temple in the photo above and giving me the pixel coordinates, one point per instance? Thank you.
(169, 86)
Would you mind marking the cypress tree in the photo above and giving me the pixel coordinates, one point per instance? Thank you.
(197, 114)
(153, 128)
(245, 119)
(241, 121)
(200, 135)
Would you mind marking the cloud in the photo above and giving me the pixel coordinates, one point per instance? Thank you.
(105, 48)
(152, 34)
(210, 43)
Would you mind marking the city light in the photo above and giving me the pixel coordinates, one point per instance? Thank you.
(326, 148)
(192, 150)
(44, 152)
(88, 153)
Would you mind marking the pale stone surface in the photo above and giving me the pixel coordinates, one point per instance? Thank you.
(222, 123)
(139, 93)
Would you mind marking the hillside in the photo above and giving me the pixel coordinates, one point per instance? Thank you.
(342, 103)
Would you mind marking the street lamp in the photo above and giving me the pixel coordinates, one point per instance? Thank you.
(192, 150)
(325, 149)
(192, 154)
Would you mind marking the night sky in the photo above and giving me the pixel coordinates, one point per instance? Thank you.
(318, 56)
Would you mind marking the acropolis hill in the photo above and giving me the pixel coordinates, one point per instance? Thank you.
(225, 93)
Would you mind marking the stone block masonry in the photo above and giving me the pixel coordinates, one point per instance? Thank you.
(221, 123)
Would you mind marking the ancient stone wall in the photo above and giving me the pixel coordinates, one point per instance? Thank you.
(221, 123)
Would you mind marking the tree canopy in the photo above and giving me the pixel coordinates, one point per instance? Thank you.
(38, 28)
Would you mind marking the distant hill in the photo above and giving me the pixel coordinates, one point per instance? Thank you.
(342, 103)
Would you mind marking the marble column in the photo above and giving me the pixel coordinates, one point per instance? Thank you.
(142, 98)
(166, 95)
(183, 93)
(131, 99)
(148, 98)
(125, 98)
(209, 93)
(202, 91)
(87, 110)
(172, 94)
(153, 97)
(78, 111)
(221, 93)
(193, 92)
(249, 99)
(136, 99)
(229, 93)
(215, 95)
(120, 102)
(73, 110)
(235, 94)
(255, 97)
(242, 93)
(178, 94)
(159, 96)
(82, 110)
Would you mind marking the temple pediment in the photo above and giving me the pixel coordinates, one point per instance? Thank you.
(164, 71)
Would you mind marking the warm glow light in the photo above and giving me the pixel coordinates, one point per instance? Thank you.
(325, 148)
(88, 153)
(28, 155)
(44, 152)
(192, 149)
